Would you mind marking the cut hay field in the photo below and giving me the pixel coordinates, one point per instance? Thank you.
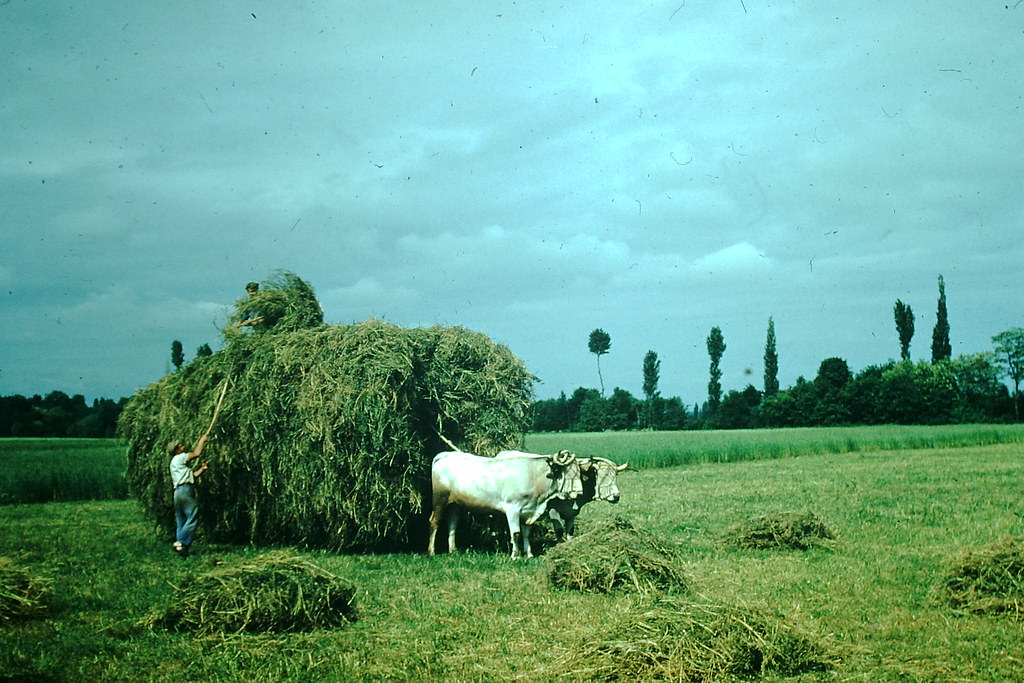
(868, 597)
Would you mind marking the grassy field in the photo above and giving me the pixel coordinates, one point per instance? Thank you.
(898, 514)
(49, 470)
(670, 449)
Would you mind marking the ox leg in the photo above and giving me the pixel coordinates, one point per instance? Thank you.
(518, 532)
(527, 550)
(453, 523)
(435, 519)
(512, 516)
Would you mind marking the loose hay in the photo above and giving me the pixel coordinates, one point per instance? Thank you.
(22, 595)
(986, 580)
(327, 432)
(668, 638)
(616, 555)
(273, 593)
(792, 530)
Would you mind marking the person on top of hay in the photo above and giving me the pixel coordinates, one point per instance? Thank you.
(250, 316)
(186, 503)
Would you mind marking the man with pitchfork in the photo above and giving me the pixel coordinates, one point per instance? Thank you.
(186, 503)
(183, 478)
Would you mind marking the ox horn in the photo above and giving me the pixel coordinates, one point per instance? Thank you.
(563, 458)
(622, 466)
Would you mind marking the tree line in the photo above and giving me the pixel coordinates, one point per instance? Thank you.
(968, 388)
(59, 415)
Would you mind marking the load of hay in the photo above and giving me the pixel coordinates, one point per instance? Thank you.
(986, 580)
(22, 595)
(785, 530)
(616, 555)
(326, 432)
(668, 638)
(274, 593)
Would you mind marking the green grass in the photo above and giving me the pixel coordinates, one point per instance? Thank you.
(647, 450)
(49, 470)
(898, 514)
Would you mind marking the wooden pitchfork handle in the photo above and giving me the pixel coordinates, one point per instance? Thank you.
(220, 402)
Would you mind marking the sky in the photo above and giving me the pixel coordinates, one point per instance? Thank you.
(529, 170)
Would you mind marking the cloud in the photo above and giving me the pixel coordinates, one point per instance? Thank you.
(738, 258)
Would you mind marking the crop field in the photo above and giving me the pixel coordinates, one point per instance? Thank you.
(900, 503)
(50, 470)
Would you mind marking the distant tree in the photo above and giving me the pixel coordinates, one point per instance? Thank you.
(904, 327)
(551, 415)
(177, 354)
(982, 394)
(652, 373)
(738, 409)
(575, 404)
(599, 344)
(204, 350)
(941, 350)
(833, 374)
(771, 362)
(716, 347)
(593, 415)
(670, 413)
(622, 410)
(830, 404)
(1010, 351)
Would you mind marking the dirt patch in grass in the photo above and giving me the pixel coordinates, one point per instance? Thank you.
(784, 530)
(986, 580)
(273, 593)
(616, 555)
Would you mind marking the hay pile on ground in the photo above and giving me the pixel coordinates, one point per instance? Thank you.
(788, 530)
(273, 593)
(986, 580)
(326, 432)
(616, 555)
(22, 595)
(668, 638)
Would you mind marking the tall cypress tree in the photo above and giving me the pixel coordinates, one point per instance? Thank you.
(941, 350)
(771, 362)
(716, 347)
(652, 373)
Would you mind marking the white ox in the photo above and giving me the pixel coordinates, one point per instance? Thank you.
(598, 481)
(519, 486)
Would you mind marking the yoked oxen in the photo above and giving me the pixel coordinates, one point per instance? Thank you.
(598, 481)
(519, 485)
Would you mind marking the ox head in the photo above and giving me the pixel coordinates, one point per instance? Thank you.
(566, 471)
(605, 476)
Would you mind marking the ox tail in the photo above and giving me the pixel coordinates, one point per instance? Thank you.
(449, 443)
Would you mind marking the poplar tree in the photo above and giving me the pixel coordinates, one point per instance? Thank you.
(904, 327)
(652, 373)
(716, 347)
(771, 362)
(941, 350)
